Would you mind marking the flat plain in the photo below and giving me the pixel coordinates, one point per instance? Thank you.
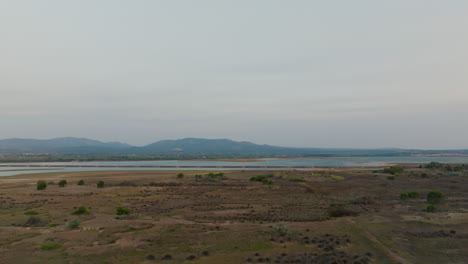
(328, 215)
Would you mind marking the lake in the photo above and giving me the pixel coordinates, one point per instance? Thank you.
(9, 169)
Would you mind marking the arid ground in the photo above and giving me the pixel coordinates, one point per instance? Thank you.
(336, 215)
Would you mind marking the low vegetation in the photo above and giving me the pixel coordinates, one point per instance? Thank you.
(81, 210)
(100, 184)
(280, 230)
(81, 182)
(122, 210)
(297, 180)
(363, 200)
(340, 210)
(41, 185)
(431, 208)
(435, 196)
(49, 246)
(226, 218)
(447, 167)
(210, 177)
(74, 224)
(62, 183)
(394, 170)
(409, 195)
(263, 179)
(34, 221)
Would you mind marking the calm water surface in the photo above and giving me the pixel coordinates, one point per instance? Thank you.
(309, 162)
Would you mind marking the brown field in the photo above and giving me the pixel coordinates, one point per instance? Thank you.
(336, 215)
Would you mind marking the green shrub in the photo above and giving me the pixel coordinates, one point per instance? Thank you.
(391, 178)
(339, 210)
(407, 195)
(80, 182)
(75, 224)
(364, 200)
(435, 196)
(62, 183)
(434, 165)
(49, 246)
(180, 175)
(31, 212)
(263, 179)
(122, 210)
(53, 224)
(431, 208)
(215, 175)
(280, 229)
(34, 221)
(41, 185)
(297, 180)
(337, 177)
(100, 184)
(394, 170)
(81, 211)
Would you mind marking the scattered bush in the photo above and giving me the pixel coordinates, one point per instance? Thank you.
(49, 246)
(337, 177)
(126, 183)
(406, 195)
(339, 210)
(62, 183)
(31, 212)
(180, 176)
(262, 178)
(210, 177)
(431, 208)
(447, 167)
(41, 185)
(391, 178)
(81, 211)
(75, 224)
(434, 165)
(364, 200)
(80, 182)
(166, 257)
(394, 170)
(100, 184)
(122, 210)
(34, 221)
(435, 196)
(53, 225)
(280, 229)
(297, 180)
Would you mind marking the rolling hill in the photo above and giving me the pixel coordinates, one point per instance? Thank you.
(193, 147)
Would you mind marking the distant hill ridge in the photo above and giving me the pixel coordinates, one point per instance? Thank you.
(191, 147)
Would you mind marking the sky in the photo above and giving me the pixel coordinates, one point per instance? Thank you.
(303, 73)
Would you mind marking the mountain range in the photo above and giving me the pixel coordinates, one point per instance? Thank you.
(194, 147)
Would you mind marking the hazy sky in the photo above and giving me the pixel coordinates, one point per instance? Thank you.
(309, 73)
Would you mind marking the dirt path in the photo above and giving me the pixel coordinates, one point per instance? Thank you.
(391, 254)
